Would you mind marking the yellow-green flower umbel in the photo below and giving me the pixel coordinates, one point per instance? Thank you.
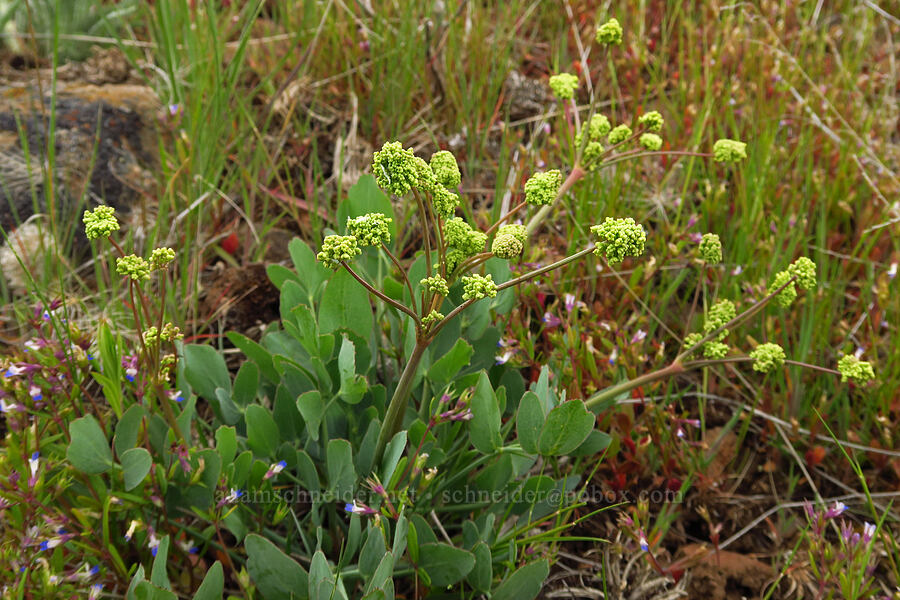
(444, 201)
(853, 369)
(476, 287)
(597, 129)
(652, 120)
(710, 249)
(100, 222)
(432, 317)
(445, 169)
(767, 357)
(650, 141)
(726, 150)
(370, 229)
(715, 350)
(619, 134)
(563, 85)
(618, 238)
(436, 285)
(133, 266)
(460, 235)
(160, 257)
(338, 248)
(506, 246)
(719, 314)
(610, 33)
(805, 271)
(541, 188)
(788, 294)
(517, 231)
(395, 168)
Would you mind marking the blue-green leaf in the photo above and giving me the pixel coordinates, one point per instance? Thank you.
(484, 428)
(529, 422)
(205, 370)
(446, 367)
(262, 432)
(89, 450)
(525, 583)
(444, 563)
(213, 584)
(312, 409)
(341, 473)
(276, 575)
(345, 305)
(135, 466)
(566, 427)
(128, 428)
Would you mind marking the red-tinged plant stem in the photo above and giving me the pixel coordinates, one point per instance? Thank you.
(400, 268)
(382, 296)
(506, 217)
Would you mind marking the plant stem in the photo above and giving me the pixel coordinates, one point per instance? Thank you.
(738, 319)
(393, 419)
(611, 392)
(640, 154)
(560, 263)
(412, 294)
(425, 226)
(383, 297)
(506, 217)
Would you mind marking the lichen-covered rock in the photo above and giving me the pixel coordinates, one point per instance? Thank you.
(104, 142)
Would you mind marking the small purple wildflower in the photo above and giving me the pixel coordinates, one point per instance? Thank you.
(836, 509)
(275, 469)
(551, 320)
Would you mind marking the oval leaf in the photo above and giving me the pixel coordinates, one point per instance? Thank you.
(262, 432)
(276, 575)
(345, 305)
(525, 583)
(567, 426)
(213, 584)
(529, 422)
(135, 466)
(445, 564)
(89, 450)
(484, 428)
